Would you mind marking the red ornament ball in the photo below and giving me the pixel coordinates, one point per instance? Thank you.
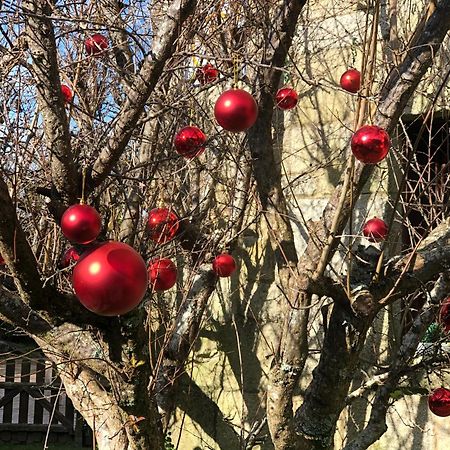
(162, 225)
(224, 265)
(190, 141)
(66, 93)
(286, 98)
(207, 74)
(370, 144)
(96, 44)
(444, 315)
(351, 81)
(70, 256)
(439, 402)
(162, 274)
(375, 230)
(81, 224)
(236, 110)
(2, 261)
(110, 279)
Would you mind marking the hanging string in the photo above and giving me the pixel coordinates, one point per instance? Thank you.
(235, 70)
(83, 184)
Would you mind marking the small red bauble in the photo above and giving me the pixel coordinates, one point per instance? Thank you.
(351, 81)
(444, 315)
(162, 274)
(2, 261)
(224, 265)
(69, 257)
(439, 402)
(81, 224)
(190, 141)
(207, 74)
(286, 98)
(110, 279)
(370, 144)
(375, 230)
(236, 110)
(96, 44)
(66, 93)
(162, 225)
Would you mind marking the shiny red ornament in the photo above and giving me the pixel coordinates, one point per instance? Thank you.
(207, 74)
(236, 110)
(70, 256)
(439, 402)
(162, 225)
(444, 315)
(96, 44)
(224, 265)
(286, 98)
(2, 261)
(370, 144)
(190, 142)
(375, 230)
(81, 224)
(162, 274)
(351, 81)
(110, 279)
(66, 93)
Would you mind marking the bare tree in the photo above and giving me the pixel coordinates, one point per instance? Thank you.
(112, 146)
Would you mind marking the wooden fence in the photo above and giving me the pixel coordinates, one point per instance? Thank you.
(33, 404)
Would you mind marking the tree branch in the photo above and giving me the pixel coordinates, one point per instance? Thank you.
(42, 46)
(140, 91)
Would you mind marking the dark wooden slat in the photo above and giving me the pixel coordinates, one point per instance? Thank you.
(48, 406)
(31, 427)
(9, 376)
(8, 397)
(40, 380)
(24, 397)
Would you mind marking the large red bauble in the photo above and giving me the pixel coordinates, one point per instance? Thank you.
(162, 225)
(81, 224)
(66, 93)
(70, 256)
(110, 279)
(375, 230)
(96, 44)
(224, 265)
(207, 74)
(370, 144)
(351, 81)
(439, 402)
(236, 110)
(162, 274)
(190, 141)
(444, 315)
(286, 98)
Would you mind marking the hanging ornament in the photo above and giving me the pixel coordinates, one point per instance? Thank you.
(224, 265)
(96, 44)
(236, 110)
(162, 274)
(439, 402)
(162, 225)
(81, 224)
(351, 81)
(370, 144)
(375, 230)
(70, 256)
(110, 279)
(286, 98)
(190, 141)
(444, 315)
(207, 74)
(66, 93)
